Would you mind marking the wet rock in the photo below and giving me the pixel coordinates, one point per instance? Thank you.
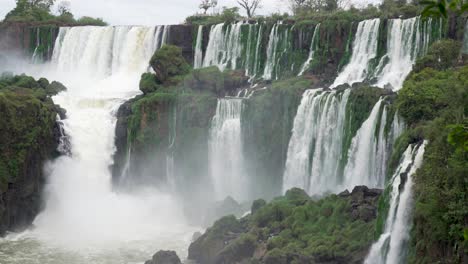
(164, 257)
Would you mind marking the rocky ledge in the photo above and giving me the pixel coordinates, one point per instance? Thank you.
(294, 229)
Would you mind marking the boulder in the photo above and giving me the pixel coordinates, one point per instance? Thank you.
(164, 257)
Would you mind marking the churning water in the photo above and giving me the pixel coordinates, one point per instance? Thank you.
(84, 221)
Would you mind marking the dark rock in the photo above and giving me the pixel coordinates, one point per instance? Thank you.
(257, 205)
(346, 193)
(164, 257)
(182, 37)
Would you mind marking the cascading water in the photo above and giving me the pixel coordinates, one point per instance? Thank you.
(390, 248)
(318, 131)
(364, 50)
(226, 157)
(278, 44)
(313, 48)
(314, 160)
(198, 61)
(405, 42)
(84, 221)
(224, 47)
(367, 154)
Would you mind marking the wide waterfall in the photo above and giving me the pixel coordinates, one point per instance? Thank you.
(84, 221)
(226, 157)
(315, 160)
(392, 244)
(407, 39)
(316, 142)
(313, 48)
(225, 47)
(364, 50)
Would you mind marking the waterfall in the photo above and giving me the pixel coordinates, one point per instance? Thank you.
(405, 42)
(365, 159)
(278, 44)
(465, 39)
(390, 248)
(364, 50)
(318, 131)
(198, 61)
(101, 66)
(224, 47)
(225, 151)
(313, 48)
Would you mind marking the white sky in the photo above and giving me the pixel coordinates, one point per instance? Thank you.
(148, 12)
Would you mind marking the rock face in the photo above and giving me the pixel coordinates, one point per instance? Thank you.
(164, 257)
(294, 229)
(30, 136)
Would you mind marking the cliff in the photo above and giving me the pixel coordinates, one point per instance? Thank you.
(30, 136)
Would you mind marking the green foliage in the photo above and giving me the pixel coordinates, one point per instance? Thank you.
(39, 11)
(168, 63)
(148, 83)
(435, 104)
(26, 126)
(441, 55)
(442, 8)
(228, 15)
(91, 21)
(429, 93)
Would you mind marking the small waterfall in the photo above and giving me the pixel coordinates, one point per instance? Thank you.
(390, 248)
(35, 57)
(278, 44)
(226, 157)
(465, 39)
(316, 142)
(253, 72)
(364, 50)
(313, 48)
(224, 47)
(170, 175)
(198, 61)
(406, 40)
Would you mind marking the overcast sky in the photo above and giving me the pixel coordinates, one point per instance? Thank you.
(147, 12)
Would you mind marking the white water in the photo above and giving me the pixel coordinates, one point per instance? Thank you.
(226, 157)
(198, 61)
(313, 48)
(224, 47)
(405, 42)
(318, 131)
(365, 162)
(278, 44)
(84, 221)
(364, 50)
(389, 248)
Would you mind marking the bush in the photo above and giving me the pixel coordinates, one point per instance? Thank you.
(168, 63)
(228, 15)
(442, 55)
(148, 83)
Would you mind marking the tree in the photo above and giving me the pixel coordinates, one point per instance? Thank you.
(444, 8)
(207, 4)
(64, 8)
(250, 6)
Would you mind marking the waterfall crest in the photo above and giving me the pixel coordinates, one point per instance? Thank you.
(364, 50)
(390, 246)
(225, 151)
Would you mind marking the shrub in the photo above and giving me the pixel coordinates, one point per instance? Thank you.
(442, 55)
(148, 83)
(168, 63)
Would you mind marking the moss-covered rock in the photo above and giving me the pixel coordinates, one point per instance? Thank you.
(295, 229)
(30, 136)
(168, 62)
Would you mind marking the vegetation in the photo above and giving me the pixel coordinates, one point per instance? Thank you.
(28, 120)
(435, 103)
(168, 64)
(294, 229)
(441, 55)
(39, 11)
